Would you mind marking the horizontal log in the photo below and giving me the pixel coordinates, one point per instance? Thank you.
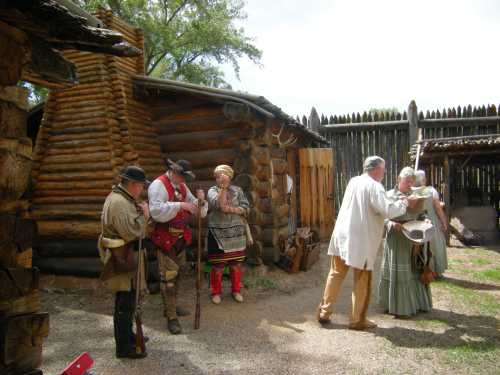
(62, 214)
(13, 206)
(27, 281)
(77, 176)
(77, 130)
(82, 150)
(282, 210)
(71, 193)
(77, 266)
(209, 140)
(181, 112)
(67, 248)
(74, 185)
(210, 158)
(246, 181)
(78, 144)
(69, 229)
(37, 201)
(246, 164)
(73, 167)
(77, 158)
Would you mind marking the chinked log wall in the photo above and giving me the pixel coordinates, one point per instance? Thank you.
(207, 136)
(88, 133)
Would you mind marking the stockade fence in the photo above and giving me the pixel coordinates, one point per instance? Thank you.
(392, 135)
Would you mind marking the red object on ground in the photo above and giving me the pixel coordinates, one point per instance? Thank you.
(80, 365)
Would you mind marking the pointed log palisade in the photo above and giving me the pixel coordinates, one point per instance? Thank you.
(32, 36)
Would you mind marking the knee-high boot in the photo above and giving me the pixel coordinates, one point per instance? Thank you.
(216, 280)
(122, 321)
(235, 274)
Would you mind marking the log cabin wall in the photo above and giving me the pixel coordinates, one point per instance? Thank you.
(206, 135)
(88, 133)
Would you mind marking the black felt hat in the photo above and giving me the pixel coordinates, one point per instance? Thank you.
(134, 173)
(182, 167)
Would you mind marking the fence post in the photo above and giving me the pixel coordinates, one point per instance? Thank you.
(314, 121)
(412, 123)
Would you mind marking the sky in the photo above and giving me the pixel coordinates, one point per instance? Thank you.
(344, 56)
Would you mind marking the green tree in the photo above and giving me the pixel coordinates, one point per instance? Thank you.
(187, 40)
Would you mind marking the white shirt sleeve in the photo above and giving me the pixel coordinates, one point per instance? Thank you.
(434, 192)
(192, 199)
(384, 206)
(160, 208)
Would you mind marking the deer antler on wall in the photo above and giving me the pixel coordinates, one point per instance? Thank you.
(290, 141)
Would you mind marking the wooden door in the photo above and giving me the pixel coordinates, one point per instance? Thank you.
(316, 190)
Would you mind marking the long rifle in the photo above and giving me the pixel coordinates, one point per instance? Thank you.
(197, 314)
(140, 346)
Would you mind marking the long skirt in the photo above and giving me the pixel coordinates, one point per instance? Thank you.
(438, 245)
(400, 290)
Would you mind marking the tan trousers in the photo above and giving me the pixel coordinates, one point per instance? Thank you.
(169, 269)
(360, 294)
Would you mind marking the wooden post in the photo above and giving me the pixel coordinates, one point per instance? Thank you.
(412, 123)
(314, 121)
(446, 192)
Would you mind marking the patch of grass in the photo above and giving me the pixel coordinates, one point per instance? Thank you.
(431, 323)
(492, 274)
(263, 283)
(477, 352)
(480, 261)
(473, 299)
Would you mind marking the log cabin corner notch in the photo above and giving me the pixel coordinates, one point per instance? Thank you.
(211, 126)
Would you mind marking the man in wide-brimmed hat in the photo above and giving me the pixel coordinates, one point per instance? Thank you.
(123, 223)
(171, 204)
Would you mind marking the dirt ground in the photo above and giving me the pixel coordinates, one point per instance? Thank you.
(274, 331)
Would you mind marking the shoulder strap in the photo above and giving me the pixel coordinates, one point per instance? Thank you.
(168, 186)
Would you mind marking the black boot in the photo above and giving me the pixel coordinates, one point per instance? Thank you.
(174, 326)
(122, 319)
(182, 311)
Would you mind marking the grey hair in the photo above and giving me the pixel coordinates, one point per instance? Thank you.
(372, 162)
(419, 177)
(407, 172)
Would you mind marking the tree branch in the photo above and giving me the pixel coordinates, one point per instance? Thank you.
(155, 64)
(179, 8)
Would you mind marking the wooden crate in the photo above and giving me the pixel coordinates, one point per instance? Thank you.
(311, 256)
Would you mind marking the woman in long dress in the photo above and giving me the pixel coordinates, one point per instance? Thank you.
(401, 293)
(435, 212)
(227, 232)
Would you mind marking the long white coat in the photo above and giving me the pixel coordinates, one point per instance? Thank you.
(360, 224)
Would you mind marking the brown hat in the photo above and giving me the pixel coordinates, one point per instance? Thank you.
(182, 167)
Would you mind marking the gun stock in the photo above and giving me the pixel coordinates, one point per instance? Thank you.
(197, 314)
(140, 346)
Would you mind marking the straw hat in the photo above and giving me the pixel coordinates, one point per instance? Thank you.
(418, 231)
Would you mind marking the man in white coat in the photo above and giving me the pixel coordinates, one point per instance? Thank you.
(356, 239)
